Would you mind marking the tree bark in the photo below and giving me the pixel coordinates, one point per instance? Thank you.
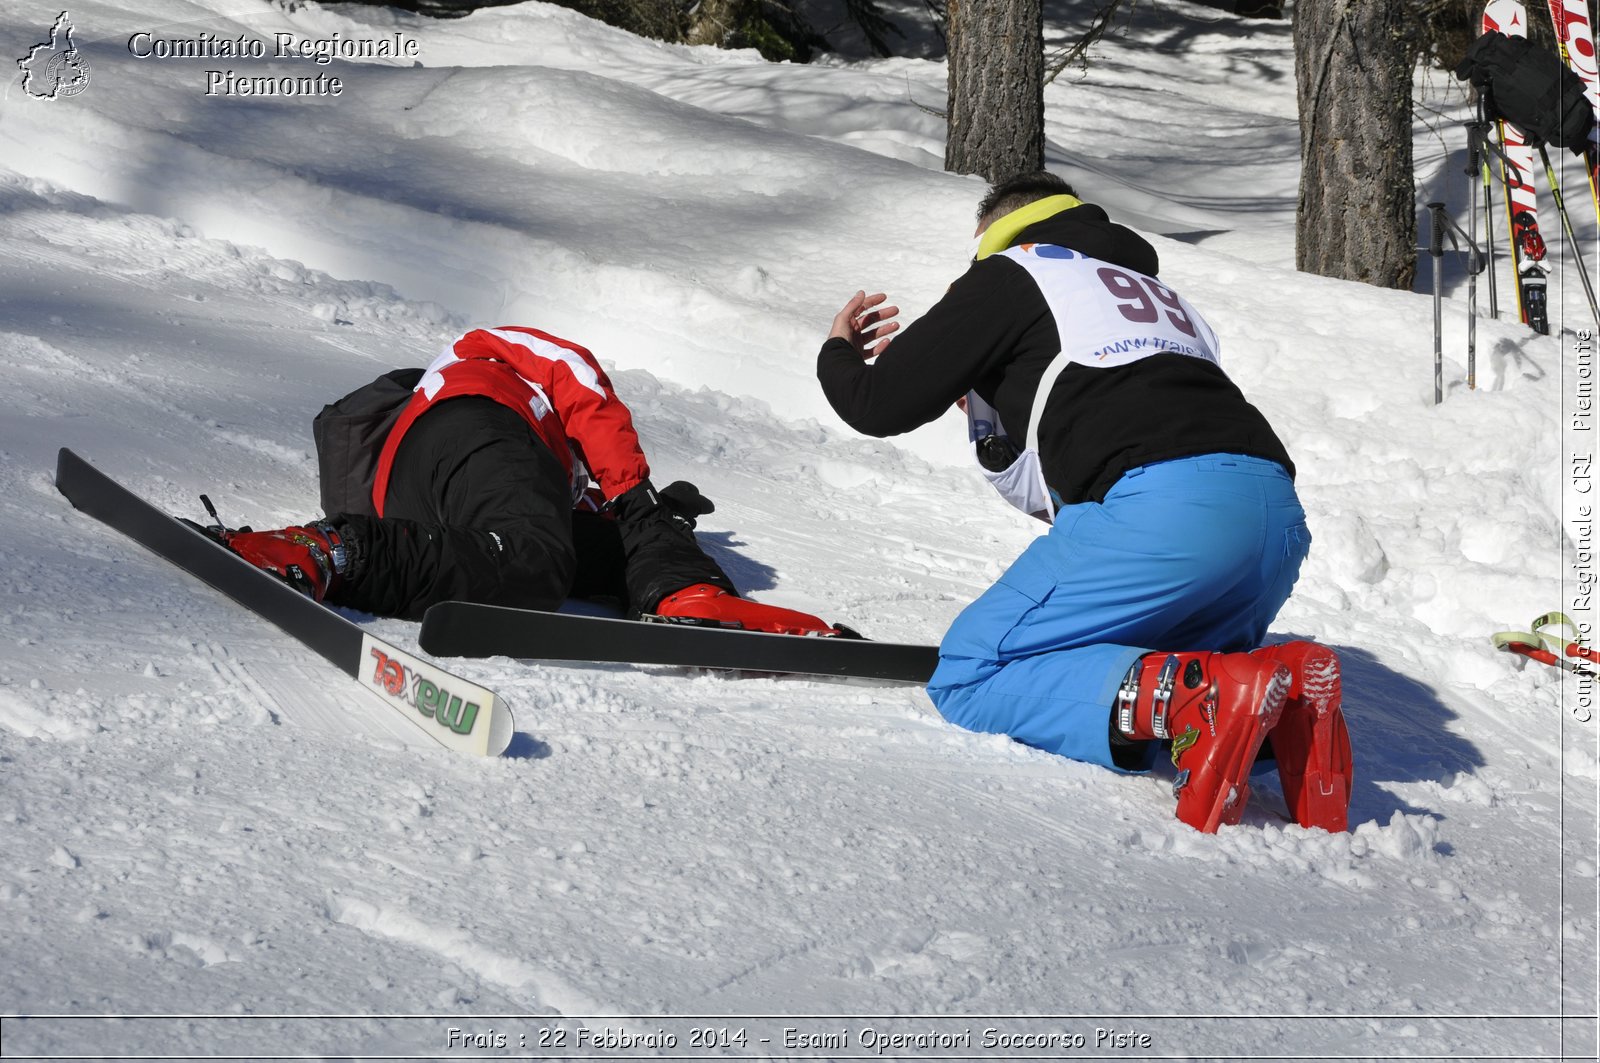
(996, 94)
(1357, 212)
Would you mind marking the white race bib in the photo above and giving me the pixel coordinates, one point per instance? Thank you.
(1107, 316)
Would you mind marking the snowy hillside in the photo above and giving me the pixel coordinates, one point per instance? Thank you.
(200, 819)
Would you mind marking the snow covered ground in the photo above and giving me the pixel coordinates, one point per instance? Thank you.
(198, 819)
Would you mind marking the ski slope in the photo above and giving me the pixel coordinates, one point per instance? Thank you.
(200, 819)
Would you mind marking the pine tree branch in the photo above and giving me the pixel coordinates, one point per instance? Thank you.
(1079, 51)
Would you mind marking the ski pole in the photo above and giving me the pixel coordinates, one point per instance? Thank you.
(1473, 267)
(1436, 251)
(1572, 237)
(1474, 264)
(1549, 647)
(1478, 173)
(1488, 215)
(1441, 225)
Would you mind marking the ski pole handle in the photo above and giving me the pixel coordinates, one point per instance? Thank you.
(1435, 230)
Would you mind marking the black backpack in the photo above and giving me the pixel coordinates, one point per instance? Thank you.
(1531, 88)
(350, 435)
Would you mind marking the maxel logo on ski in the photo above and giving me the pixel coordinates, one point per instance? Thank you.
(392, 677)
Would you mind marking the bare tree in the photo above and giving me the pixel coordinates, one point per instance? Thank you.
(996, 78)
(1357, 210)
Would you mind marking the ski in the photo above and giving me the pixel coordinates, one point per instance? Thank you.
(1516, 172)
(454, 712)
(462, 629)
(1575, 38)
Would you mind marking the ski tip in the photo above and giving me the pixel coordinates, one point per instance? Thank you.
(65, 459)
(502, 729)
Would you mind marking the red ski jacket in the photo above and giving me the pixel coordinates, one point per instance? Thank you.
(559, 389)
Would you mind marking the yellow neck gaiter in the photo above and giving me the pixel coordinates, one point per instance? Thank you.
(1004, 229)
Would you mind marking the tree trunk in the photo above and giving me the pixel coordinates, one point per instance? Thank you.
(996, 101)
(1357, 214)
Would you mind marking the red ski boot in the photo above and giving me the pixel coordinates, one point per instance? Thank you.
(310, 559)
(715, 607)
(1311, 744)
(1215, 708)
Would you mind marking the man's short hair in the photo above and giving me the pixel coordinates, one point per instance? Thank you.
(1019, 191)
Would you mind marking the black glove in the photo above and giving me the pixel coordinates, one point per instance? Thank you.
(636, 503)
(685, 500)
(1531, 88)
(679, 500)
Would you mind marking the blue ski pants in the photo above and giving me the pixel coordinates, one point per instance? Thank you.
(1194, 554)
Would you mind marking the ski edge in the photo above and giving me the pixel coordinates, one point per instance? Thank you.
(403, 681)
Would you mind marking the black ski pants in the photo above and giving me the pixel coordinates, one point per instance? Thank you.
(478, 509)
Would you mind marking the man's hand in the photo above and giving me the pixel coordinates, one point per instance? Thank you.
(865, 324)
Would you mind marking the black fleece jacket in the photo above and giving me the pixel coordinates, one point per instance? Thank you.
(993, 333)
